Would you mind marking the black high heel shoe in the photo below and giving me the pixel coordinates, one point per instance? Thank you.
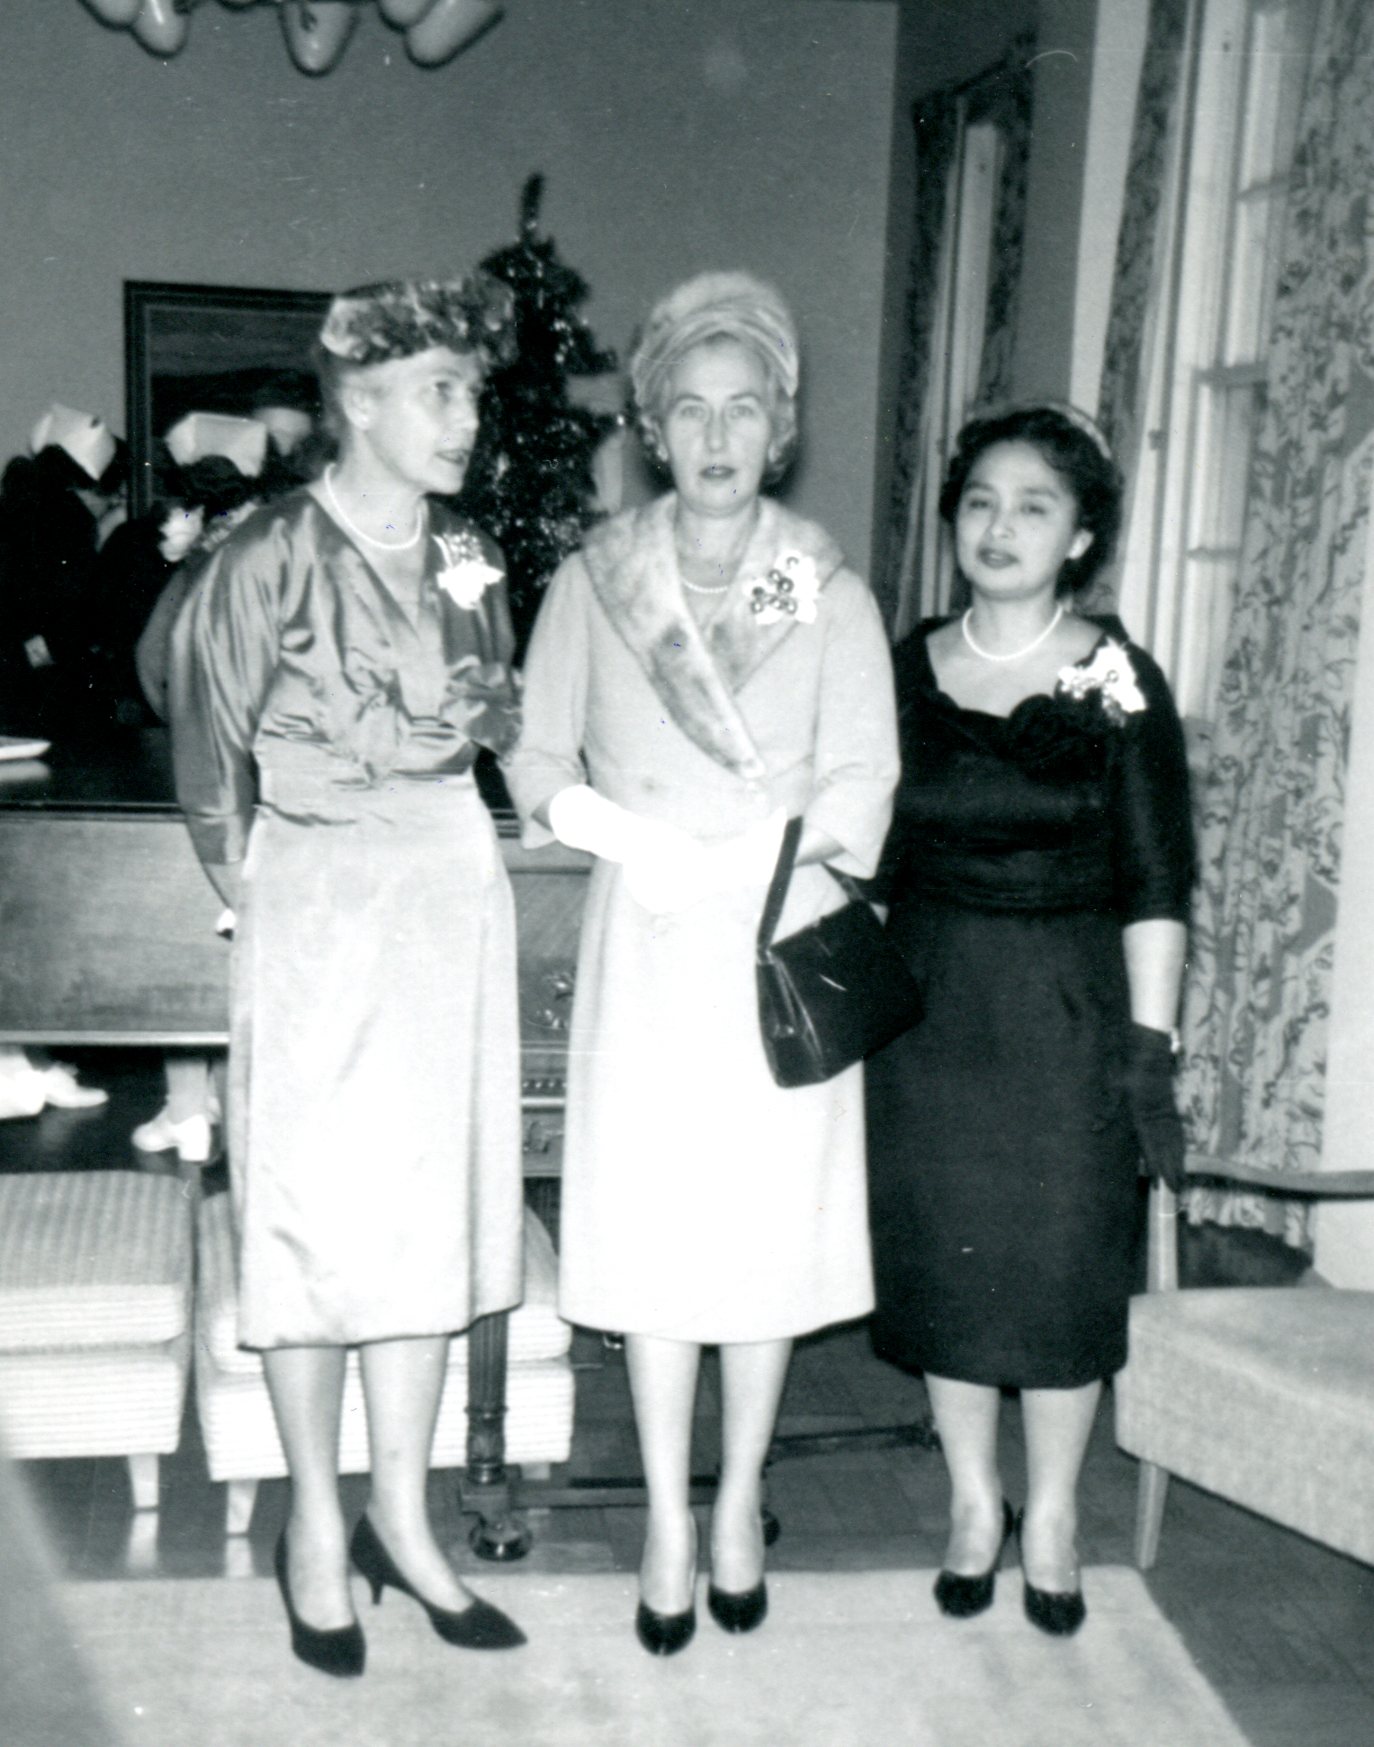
(478, 1626)
(664, 1634)
(963, 1597)
(1056, 1611)
(340, 1650)
(740, 1611)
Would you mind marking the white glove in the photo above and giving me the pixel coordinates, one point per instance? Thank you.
(749, 858)
(583, 819)
(688, 872)
(662, 864)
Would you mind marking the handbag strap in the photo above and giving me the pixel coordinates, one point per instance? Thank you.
(782, 879)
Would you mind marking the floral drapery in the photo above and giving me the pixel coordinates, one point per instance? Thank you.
(936, 121)
(1135, 277)
(1002, 94)
(1258, 995)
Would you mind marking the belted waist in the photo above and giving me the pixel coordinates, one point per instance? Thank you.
(314, 792)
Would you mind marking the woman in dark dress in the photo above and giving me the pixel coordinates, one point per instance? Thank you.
(1038, 872)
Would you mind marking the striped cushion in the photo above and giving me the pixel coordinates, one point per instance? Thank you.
(92, 1259)
(94, 1402)
(536, 1331)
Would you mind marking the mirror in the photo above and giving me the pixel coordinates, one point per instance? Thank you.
(209, 348)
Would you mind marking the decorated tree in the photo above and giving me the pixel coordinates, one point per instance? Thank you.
(530, 484)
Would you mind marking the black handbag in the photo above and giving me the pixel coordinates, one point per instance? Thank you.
(830, 994)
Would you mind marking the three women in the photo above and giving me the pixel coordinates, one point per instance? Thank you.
(705, 667)
(1038, 872)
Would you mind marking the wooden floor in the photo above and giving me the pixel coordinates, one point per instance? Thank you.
(1283, 1629)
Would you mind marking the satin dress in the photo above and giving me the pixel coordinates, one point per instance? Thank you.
(324, 737)
(1003, 1166)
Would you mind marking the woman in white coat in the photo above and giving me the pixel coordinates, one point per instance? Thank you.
(705, 667)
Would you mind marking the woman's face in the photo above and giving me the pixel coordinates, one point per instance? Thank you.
(717, 426)
(1016, 524)
(416, 417)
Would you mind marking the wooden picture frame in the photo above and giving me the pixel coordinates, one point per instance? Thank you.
(208, 348)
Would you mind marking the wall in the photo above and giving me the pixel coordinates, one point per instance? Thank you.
(673, 137)
(1054, 196)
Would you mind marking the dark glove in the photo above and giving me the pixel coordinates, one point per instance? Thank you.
(1149, 1086)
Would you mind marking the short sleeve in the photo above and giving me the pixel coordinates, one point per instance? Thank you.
(1153, 850)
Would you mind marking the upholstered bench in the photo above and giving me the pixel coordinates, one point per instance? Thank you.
(1263, 1394)
(236, 1422)
(95, 1303)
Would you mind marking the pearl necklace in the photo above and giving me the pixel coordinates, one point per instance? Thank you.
(1016, 654)
(732, 558)
(357, 532)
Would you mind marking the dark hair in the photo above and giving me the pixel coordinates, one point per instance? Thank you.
(298, 389)
(1075, 451)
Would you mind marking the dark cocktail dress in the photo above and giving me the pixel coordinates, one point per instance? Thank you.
(1003, 1162)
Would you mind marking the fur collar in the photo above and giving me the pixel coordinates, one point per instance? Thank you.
(697, 671)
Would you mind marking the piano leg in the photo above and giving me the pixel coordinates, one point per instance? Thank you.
(484, 1487)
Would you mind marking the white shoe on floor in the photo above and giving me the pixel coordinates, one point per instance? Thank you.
(64, 1091)
(20, 1095)
(190, 1136)
(56, 1084)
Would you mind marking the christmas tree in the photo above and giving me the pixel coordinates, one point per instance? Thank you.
(530, 483)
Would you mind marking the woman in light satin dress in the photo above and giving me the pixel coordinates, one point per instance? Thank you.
(338, 663)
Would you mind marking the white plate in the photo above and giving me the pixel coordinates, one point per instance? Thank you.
(12, 747)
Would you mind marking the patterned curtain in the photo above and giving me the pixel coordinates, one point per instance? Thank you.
(1004, 97)
(1135, 279)
(1001, 95)
(1258, 998)
(936, 120)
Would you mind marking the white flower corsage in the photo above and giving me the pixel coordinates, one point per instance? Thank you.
(789, 591)
(466, 575)
(180, 530)
(1112, 677)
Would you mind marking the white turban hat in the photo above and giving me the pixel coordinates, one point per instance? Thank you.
(733, 305)
(85, 438)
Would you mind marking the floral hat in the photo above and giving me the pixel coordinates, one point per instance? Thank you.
(395, 319)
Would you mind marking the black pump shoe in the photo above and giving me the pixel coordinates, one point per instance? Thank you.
(739, 1612)
(341, 1650)
(1056, 1611)
(478, 1626)
(664, 1634)
(963, 1597)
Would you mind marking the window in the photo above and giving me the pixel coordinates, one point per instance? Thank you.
(1207, 371)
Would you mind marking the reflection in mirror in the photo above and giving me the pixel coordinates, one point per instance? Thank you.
(213, 349)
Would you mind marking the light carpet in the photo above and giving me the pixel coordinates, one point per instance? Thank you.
(844, 1660)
